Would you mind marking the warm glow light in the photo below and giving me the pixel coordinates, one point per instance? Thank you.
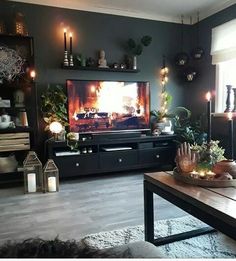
(93, 89)
(202, 174)
(208, 96)
(32, 74)
(70, 34)
(65, 30)
(55, 127)
(230, 115)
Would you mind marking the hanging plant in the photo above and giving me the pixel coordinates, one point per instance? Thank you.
(53, 106)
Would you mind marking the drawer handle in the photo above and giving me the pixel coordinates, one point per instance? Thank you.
(77, 164)
(157, 156)
(120, 160)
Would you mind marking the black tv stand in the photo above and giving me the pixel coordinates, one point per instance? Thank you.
(113, 154)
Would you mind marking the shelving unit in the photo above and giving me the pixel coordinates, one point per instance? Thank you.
(85, 68)
(18, 140)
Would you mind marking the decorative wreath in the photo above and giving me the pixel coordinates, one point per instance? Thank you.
(11, 64)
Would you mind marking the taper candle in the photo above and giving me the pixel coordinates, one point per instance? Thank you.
(65, 39)
(231, 135)
(70, 43)
(208, 97)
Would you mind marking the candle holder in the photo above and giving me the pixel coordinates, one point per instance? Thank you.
(33, 178)
(71, 62)
(66, 61)
(228, 104)
(51, 177)
(234, 90)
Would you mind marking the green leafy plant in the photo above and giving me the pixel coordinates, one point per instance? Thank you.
(208, 154)
(159, 115)
(187, 130)
(136, 47)
(53, 106)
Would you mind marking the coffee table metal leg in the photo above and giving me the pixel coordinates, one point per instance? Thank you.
(148, 214)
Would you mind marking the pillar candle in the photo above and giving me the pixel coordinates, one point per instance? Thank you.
(31, 180)
(208, 97)
(52, 187)
(231, 146)
(65, 39)
(70, 43)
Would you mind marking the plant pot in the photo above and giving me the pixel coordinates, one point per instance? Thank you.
(225, 166)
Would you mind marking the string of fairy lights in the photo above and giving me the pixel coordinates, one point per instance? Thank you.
(164, 95)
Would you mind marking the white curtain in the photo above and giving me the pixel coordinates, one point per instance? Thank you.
(223, 42)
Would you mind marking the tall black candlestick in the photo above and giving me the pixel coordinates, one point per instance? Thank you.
(65, 39)
(231, 146)
(70, 43)
(208, 117)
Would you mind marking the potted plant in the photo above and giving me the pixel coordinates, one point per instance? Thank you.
(53, 106)
(135, 48)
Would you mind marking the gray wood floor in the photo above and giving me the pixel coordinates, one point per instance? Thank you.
(82, 206)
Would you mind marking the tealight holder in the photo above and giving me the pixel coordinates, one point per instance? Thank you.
(210, 175)
(194, 174)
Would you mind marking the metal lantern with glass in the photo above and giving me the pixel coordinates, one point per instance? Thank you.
(51, 177)
(33, 174)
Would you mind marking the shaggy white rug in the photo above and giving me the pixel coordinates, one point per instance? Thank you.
(212, 245)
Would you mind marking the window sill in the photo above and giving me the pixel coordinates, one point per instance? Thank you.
(223, 114)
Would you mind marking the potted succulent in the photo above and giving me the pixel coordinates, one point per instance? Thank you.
(53, 106)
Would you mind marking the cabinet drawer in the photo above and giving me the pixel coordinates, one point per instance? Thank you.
(157, 156)
(77, 165)
(118, 160)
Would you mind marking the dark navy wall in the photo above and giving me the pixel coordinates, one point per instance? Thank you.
(194, 93)
(92, 32)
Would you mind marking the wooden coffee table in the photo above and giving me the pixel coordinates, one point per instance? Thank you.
(214, 206)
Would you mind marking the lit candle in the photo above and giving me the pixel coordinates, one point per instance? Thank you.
(231, 146)
(52, 187)
(31, 180)
(70, 43)
(210, 174)
(208, 97)
(194, 174)
(202, 174)
(65, 39)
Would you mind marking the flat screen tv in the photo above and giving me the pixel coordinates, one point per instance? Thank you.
(108, 106)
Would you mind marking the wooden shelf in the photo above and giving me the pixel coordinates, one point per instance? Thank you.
(84, 68)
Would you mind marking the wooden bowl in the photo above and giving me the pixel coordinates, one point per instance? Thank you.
(225, 166)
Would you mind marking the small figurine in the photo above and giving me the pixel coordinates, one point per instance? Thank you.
(102, 62)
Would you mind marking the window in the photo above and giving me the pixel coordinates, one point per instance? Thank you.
(223, 51)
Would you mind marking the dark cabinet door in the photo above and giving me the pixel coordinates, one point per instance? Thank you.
(77, 165)
(157, 156)
(118, 160)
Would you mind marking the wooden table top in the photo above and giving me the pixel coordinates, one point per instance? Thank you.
(218, 201)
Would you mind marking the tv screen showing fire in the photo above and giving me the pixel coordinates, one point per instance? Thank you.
(105, 106)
